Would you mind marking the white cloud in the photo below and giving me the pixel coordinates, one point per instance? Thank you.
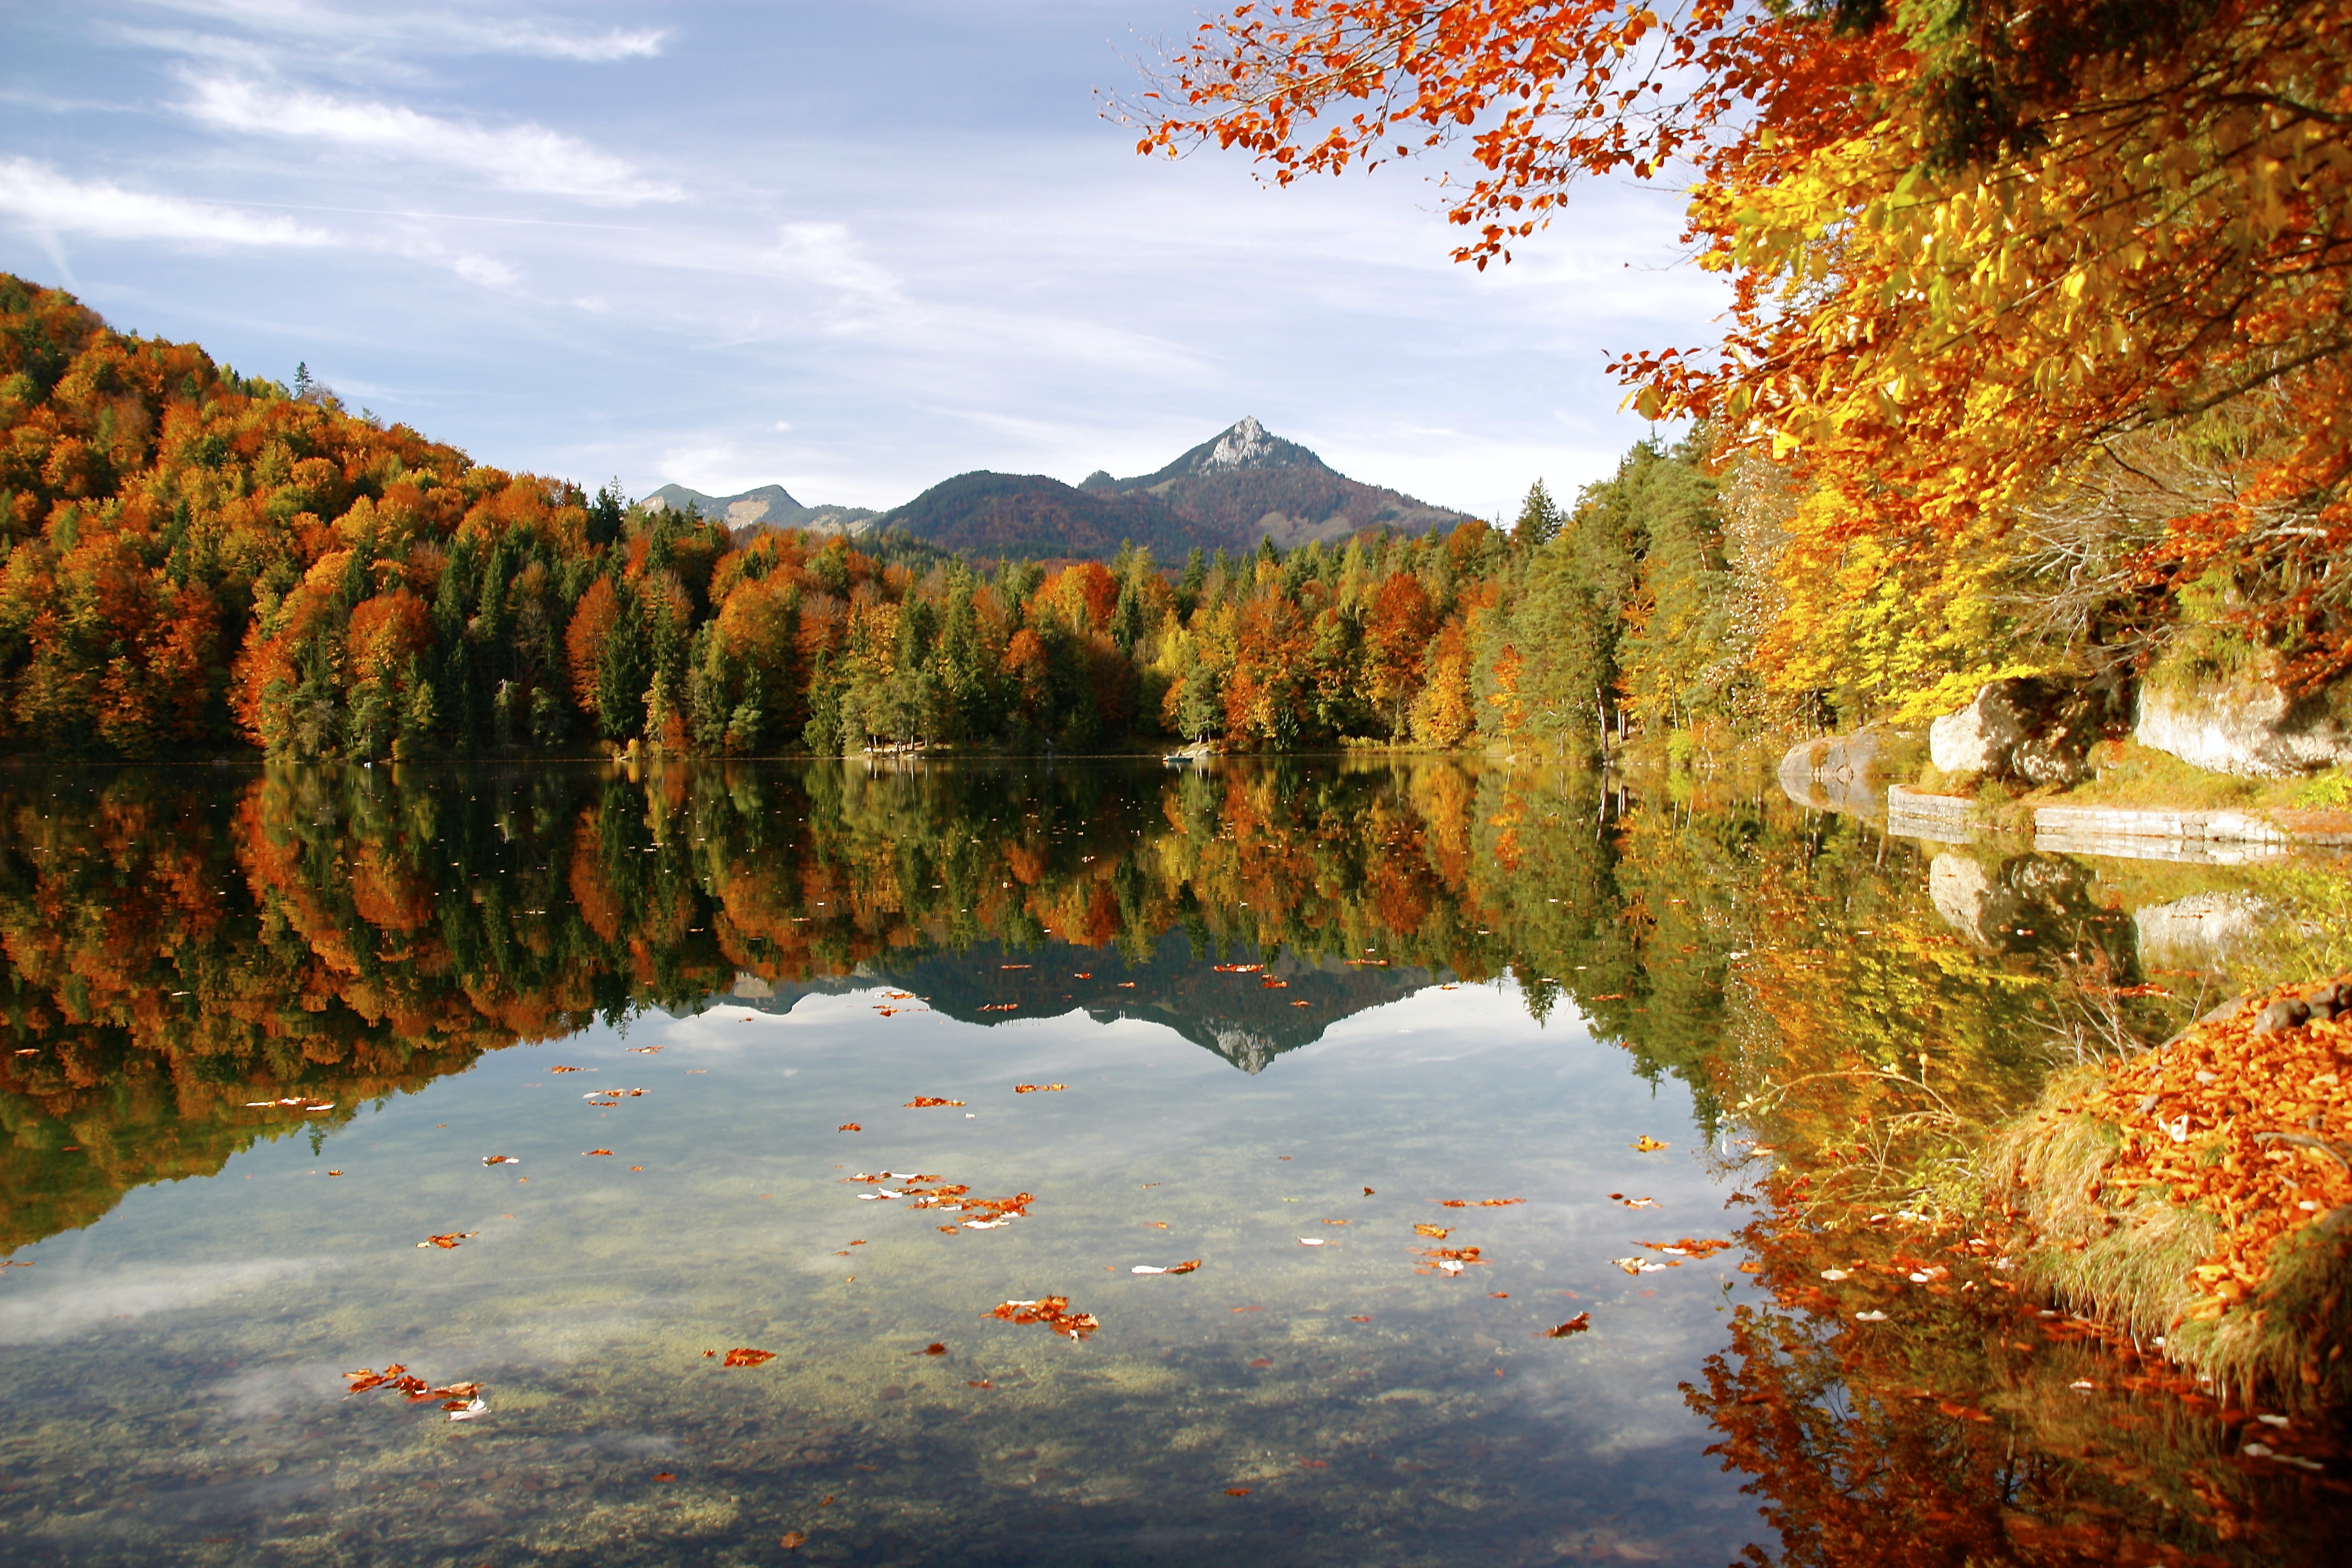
(524, 157)
(828, 255)
(52, 203)
(447, 32)
(488, 271)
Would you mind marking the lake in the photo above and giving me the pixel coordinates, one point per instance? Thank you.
(1297, 1162)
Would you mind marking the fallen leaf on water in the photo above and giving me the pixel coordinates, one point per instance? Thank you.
(1053, 1311)
(637, 1167)
(922, 1101)
(1637, 1265)
(1448, 1259)
(1478, 1203)
(793, 1539)
(1012, 966)
(1688, 1246)
(1158, 1224)
(1635, 1202)
(1237, 1491)
(1358, 1317)
(1275, 985)
(1368, 1192)
(1238, 968)
(998, 1006)
(450, 1240)
(1313, 1464)
(934, 1350)
(467, 1409)
(1438, 1231)
(334, 1172)
(1261, 1363)
(664, 1476)
(1249, 1309)
(584, 1154)
(500, 1160)
(1126, 985)
(849, 1127)
(1500, 1295)
(747, 1357)
(644, 1050)
(1302, 1004)
(567, 1069)
(1310, 1241)
(1038, 1087)
(1647, 1144)
(1083, 974)
(1334, 1222)
(1576, 1325)
(1186, 1267)
(976, 1382)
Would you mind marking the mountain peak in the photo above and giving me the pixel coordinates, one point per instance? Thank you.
(1245, 446)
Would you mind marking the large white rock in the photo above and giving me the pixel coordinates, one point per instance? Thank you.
(2250, 729)
(1981, 737)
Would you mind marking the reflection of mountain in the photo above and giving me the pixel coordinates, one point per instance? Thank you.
(1236, 1016)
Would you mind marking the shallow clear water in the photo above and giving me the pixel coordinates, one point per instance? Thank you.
(264, 1031)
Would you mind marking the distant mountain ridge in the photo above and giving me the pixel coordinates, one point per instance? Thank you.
(769, 506)
(1242, 485)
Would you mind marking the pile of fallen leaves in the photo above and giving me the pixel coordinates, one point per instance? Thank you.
(1053, 1311)
(2253, 1122)
(463, 1401)
(931, 1192)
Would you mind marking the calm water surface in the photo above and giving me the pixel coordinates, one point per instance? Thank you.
(270, 1033)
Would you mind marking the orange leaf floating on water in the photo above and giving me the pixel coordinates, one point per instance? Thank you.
(334, 1172)
(567, 1069)
(1238, 968)
(1500, 1295)
(849, 1127)
(1478, 1203)
(747, 1357)
(664, 1476)
(1012, 966)
(1237, 1491)
(792, 1540)
(1688, 1246)
(1038, 1087)
(587, 1154)
(922, 1101)
(1313, 1464)
(450, 1240)
(1438, 1231)
(934, 1349)
(1302, 1004)
(969, 1383)
(1184, 1267)
(644, 1050)
(1053, 1311)
(1635, 1202)
(1368, 1192)
(463, 1401)
(1576, 1325)
(1373, 963)
(1358, 1317)
(1647, 1144)
(1083, 974)
(998, 1006)
(1275, 985)
(500, 1160)
(1260, 1364)
(1448, 1260)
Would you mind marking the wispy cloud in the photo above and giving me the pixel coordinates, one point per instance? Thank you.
(524, 157)
(345, 29)
(50, 202)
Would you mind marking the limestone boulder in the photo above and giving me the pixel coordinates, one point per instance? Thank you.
(2038, 731)
(2249, 728)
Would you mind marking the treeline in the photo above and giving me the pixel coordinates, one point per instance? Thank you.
(196, 559)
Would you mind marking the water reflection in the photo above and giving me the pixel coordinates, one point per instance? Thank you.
(324, 971)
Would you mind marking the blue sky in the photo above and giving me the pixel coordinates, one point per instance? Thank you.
(854, 249)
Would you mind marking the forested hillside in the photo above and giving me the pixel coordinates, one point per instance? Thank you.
(197, 559)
